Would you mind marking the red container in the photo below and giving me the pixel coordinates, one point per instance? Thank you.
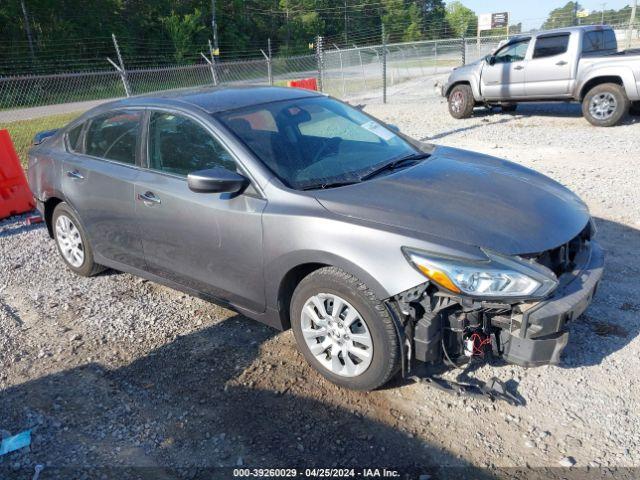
(307, 83)
(15, 196)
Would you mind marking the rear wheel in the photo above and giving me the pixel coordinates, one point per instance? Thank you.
(72, 241)
(605, 105)
(344, 331)
(461, 102)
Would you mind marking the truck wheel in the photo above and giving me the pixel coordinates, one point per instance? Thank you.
(461, 102)
(635, 109)
(509, 107)
(344, 331)
(605, 105)
(73, 242)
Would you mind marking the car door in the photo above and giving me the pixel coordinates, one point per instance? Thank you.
(504, 77)
(208, 242)
(550, 70)
(98, 178)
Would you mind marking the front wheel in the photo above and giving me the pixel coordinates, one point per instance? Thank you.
(605, 105)
(344, 331)
(461, 102)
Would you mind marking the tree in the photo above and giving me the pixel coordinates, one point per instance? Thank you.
(461, 20)
(433, 18)
(562, 17)
(182, 29)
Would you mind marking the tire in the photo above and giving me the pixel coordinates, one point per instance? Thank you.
(635, 109)
(509, 107)
(461, 102)
(330, 285)
(72, 241)
(605, 105)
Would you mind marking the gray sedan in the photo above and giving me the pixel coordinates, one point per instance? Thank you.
(302, 212)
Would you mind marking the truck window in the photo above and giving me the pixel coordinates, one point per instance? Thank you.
(551, 45)
(514, 52)
(599, 40)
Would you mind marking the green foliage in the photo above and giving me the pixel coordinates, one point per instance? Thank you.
(562, 17)
(75, 35)
(183, 29)
(462, 20)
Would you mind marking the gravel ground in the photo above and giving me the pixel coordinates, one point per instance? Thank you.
(116, 371)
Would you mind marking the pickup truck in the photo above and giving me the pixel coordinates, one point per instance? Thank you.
(575, 64)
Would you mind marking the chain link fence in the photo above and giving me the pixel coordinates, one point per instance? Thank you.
(38, 102)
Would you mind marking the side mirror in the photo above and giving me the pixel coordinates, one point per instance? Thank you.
(491, 60)
(393, 128)
(216, 180)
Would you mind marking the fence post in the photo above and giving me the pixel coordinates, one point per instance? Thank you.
(435, 54)
(384, 65)
(364, 77)
(121, 69)
(212, 65)
(269, 62)
(320, 62)
(464, 51)
(344, 92)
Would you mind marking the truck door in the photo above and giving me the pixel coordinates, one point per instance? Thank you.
(503, 77)
(550, 69)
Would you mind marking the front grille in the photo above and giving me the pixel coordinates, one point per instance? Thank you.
(562, 259)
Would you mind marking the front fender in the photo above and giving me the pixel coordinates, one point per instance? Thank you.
(469, 74)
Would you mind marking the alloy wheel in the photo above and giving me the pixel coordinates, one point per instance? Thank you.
(69, 241)
(457, 100)
(603, 106)
(337, 335)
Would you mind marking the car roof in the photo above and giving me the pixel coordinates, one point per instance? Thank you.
(215, 99)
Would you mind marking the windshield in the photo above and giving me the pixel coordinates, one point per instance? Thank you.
(316, 142)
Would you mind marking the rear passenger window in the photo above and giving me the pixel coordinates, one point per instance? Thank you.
(550, 46)
(599, 40)
(73, 136)
(180, 146)
(114, 136)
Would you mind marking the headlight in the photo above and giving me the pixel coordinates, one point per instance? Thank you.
(497, 276)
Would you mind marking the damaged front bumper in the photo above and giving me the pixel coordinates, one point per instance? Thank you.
(537, 334)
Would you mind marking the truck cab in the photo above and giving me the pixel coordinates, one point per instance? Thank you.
(557, 65)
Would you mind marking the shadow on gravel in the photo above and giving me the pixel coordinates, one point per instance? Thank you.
(604, 328)
(18, 228)
(183, 406)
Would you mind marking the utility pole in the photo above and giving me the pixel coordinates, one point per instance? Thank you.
(384, 65)
(575, 13)
(346, 21)
(28, 30)
(604, 5)
(214, 26)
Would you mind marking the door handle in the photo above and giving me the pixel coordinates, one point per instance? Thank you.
(519, 67)
(561, 63)
(75, 174)
(149, 199)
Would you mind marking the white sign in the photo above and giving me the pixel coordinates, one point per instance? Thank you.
(484, 21)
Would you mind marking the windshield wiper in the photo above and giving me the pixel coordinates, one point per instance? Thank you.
(400, 162)
(322, 186)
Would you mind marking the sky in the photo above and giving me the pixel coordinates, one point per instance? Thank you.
(532, 14)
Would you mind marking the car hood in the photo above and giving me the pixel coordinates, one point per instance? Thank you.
(467, 197)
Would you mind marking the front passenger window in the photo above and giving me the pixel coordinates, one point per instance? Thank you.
(180, 146)
(513, 53)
